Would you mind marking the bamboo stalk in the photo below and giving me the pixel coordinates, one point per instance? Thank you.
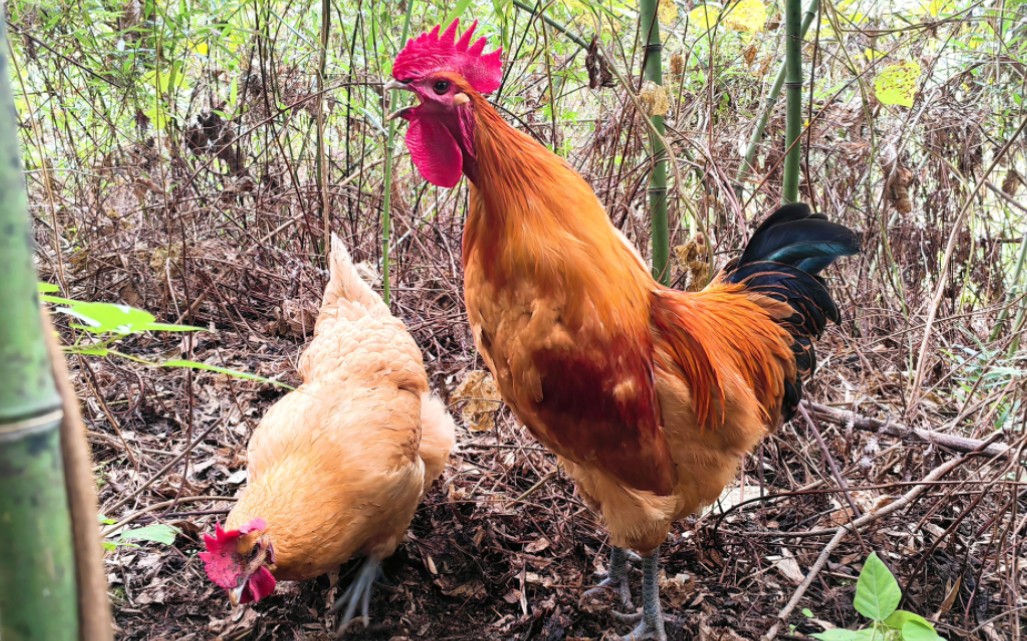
(37, 568)
(320, 161)
(94, 607)
(793, 87)
(772, 95)
(387, 196)
(652, 70)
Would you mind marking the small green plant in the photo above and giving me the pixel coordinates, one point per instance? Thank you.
(877, 598)
(109, 323)
(154, 533)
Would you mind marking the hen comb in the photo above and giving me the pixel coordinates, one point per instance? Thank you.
(226, 539)
(432, 51)
(222, 567)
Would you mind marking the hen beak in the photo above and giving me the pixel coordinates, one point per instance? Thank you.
(235, 594)
(392, 85)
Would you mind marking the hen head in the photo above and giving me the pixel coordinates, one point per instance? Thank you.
(238, 560)
(446, 75)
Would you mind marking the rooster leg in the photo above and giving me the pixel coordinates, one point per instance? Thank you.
(651, 625)
(616, 578)
(358, 594)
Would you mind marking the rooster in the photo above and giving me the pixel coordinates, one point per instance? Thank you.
(648, 396)
(338, 466)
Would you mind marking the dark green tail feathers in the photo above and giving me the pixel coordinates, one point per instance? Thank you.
(783, 260)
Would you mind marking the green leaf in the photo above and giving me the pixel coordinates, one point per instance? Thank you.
(457, 11)
(877, 591)
(156, 533)
(899, 618)
(841, 634)
(223, 370)
(920, 631)
(806, 612)
(896, 84)
(101, 318)
(104, 318)
(88, 351)
(56, 300)
(48, 288)
(170, 327)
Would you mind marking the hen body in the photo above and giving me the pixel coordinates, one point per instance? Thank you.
(338, 466)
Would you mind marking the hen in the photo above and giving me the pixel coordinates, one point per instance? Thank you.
(338, 466)
(648, 396)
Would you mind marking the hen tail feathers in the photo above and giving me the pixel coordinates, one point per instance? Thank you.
(345, 283)
(782, 261)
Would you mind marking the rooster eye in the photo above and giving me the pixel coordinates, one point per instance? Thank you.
(441, 87)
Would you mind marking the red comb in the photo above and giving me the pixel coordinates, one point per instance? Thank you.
(219, 559)
(432, 52)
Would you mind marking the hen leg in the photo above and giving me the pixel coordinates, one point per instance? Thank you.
(651, 625)
(358, 594)
(616, 578)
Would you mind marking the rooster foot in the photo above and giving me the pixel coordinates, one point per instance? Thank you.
(616, 579)
(650, 617)
(358, 594)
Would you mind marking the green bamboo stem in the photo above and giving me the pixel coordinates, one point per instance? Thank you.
(387, 196)
(653, 72)
(793, 87)
(37, 568)
(772, 95)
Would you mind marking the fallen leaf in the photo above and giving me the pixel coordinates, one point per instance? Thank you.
(480, 396)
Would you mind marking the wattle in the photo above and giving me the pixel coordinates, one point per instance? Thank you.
(435, 152)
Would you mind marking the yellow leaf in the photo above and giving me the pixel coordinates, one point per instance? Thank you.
(749, 16)
(936, 8)
(200, 48)
(872, 54)
(667, 11)
(896, 84)
(703, 17)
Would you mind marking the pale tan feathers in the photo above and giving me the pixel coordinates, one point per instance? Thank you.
(338, 466)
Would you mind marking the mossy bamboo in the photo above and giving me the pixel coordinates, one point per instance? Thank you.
(652, 71)
(37, 569)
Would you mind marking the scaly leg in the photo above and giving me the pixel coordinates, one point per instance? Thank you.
(616, 578)
(358, 594)
(651, 624)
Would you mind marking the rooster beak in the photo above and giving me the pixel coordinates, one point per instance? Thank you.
(392, 85)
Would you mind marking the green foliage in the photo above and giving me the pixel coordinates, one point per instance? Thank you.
(111, 322)
(877, 591)
(153, 533)
(877, 598)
